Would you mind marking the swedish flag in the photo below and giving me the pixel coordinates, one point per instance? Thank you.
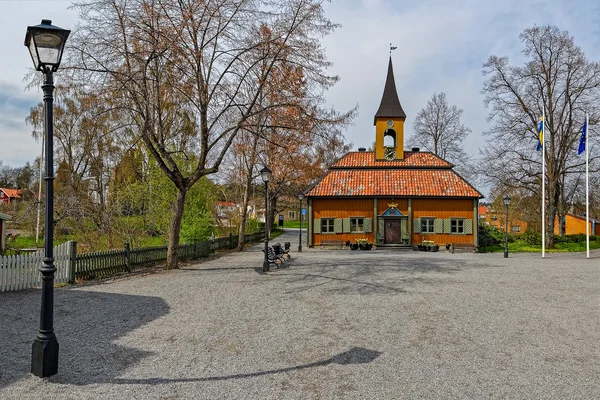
(540, 134)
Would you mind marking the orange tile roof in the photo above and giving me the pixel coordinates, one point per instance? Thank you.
(12, 192)
(412, 159)
(482, 210)
(399, 182)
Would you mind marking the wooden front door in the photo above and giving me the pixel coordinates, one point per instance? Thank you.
(392, 231)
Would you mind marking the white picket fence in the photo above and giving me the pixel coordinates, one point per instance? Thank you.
(23, 271)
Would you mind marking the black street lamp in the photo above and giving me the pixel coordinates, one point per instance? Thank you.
(506, 203)
(265, 173)
(300, 197)
(46, 43)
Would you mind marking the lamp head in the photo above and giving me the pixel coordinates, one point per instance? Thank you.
(46, 43)
(507, 200)
(265, 174)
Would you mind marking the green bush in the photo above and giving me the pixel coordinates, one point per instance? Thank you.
(489, 236)
(532, 237)
(577, 238)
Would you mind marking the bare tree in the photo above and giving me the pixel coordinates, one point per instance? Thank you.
(187, 74)
(556, 78)
(439, 129)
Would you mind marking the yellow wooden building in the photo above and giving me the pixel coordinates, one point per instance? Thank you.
(390, 196)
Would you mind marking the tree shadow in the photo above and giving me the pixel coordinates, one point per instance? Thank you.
(356, 355)
(369, 276)
(87, 325)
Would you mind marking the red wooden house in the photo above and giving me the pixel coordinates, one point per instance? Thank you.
(10, 195)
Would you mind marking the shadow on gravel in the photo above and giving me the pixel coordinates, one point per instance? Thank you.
(86, 323)
(384, 276)
(356, 355)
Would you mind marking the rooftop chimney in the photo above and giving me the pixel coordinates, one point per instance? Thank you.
(416, 149)
(362, 149)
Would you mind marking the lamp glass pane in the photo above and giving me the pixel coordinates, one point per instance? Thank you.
(48, 46)
(33, 52)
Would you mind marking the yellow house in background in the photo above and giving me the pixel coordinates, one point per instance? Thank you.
(575, 224)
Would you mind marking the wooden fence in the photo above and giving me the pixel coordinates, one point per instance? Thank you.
(22, 271)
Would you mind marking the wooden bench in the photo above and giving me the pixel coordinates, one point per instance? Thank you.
(284, 252)
(332, 242)
(274, 258)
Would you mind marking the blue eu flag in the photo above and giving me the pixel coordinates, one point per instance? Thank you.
(582, 140)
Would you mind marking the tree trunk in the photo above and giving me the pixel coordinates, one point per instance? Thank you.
(247, 187)
(272, 212)
(552, 201)
(242, 228)
(175, 229)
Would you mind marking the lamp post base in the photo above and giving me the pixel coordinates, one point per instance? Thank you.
(300, 249)
(44, 357)
(506, 254)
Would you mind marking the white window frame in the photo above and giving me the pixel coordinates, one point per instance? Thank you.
(357, 224)
(427, 224)
(291, 214)
(327, 225)
(457, 226)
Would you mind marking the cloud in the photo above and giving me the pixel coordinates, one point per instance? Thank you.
(441, 48)
(16, 144)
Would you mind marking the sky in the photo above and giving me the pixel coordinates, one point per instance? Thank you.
(442, 46)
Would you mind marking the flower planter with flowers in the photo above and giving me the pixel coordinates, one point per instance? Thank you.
(428, 245)
(364, 244)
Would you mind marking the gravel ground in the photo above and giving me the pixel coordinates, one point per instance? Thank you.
(335, 324)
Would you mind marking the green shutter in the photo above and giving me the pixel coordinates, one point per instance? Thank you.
(403, 230)
(380, 230)
(468, 225)
(448, 225)
(337, 225)
(438, 225)
(346, 225)
(417, 225)
(368, 225)
(317, 225)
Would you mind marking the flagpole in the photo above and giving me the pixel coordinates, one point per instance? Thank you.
(543, 183)
(587, 187)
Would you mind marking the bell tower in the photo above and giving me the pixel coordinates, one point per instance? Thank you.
(389, 122)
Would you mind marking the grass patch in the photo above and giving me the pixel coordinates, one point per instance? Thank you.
(294, 224)
(519, 246)
(28, 242)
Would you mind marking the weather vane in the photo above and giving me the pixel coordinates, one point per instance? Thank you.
(392, 48)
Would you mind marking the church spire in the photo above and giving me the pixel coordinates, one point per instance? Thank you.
(390, 105)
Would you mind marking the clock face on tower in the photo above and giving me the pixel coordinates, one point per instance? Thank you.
(390, 123)
(390, 153)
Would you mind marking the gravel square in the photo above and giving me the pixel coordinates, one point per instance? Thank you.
(335, 324)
